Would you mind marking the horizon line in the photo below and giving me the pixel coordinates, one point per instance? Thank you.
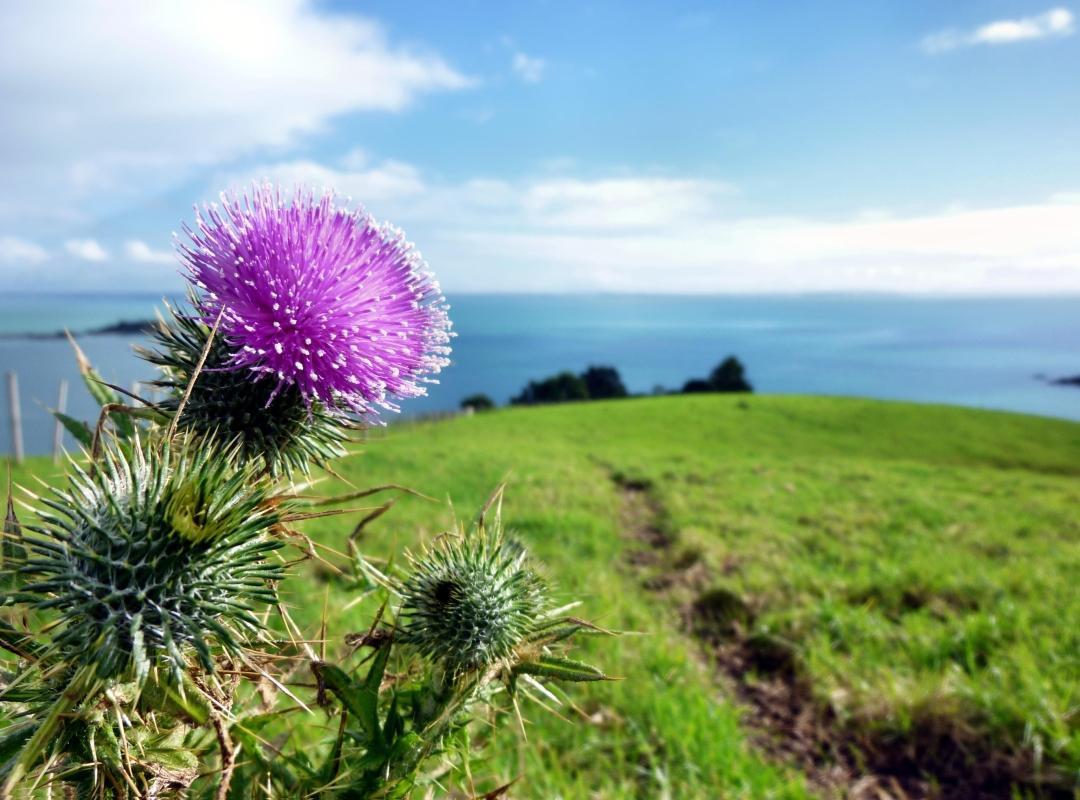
(794, 293)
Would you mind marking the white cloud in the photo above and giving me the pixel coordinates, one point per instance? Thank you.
(1066, 197)
(1056, 22)
(119, 100)
(677, 234)
(624, 202)
(397, 190)
(389, 182)
(528, 68)
(140, 251)
(16, 251)
(1014, 249)
(86, 249)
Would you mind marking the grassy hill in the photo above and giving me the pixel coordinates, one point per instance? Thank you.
(827, 588)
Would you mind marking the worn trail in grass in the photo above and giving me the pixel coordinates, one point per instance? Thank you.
(913, 564)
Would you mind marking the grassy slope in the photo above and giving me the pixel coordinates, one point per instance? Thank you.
(918, 556)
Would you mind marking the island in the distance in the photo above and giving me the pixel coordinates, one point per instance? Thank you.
(125, 327)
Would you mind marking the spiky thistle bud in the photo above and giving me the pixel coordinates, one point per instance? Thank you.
(471, 600)
(155, 554)
(265, 422)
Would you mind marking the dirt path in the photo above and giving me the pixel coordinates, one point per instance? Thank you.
(783, 717)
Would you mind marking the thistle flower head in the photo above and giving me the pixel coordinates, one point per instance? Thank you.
(156, 554)
(318, 298)
(238, 409)
(471, 600)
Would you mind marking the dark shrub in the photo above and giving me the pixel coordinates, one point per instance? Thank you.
(478, 402)
(696, 385)
(603, 382)
(561, 388)
(730, 376)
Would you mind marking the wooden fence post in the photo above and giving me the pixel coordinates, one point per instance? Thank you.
(58, 431)
(16, 417)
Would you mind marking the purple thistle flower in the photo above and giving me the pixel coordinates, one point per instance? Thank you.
(319, 297)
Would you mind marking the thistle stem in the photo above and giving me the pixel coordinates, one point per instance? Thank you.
(83, 686)
(228, 755)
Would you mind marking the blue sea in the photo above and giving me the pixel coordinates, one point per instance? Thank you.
(988, 353)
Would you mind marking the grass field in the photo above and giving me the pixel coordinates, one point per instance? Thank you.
(900, 578)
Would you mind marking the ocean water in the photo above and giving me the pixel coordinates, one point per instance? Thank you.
(981, 352)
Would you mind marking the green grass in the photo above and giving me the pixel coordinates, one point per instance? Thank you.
(921, 560)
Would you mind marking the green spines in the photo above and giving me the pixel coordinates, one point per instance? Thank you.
(471, 600)
(156, 554)
(275, 428)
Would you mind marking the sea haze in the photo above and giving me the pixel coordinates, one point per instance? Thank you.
(984, 352)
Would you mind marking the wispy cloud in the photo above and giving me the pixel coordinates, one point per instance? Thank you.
(621, 202)
(86, 249)
(139, 251)
(16, 251)
(529, 68)
(1055, 23)
(648, 233)
(399, 191)
(1020, 249)
(378, 185)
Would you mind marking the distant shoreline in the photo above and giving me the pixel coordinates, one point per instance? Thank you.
(125, 327)
(1070, 380)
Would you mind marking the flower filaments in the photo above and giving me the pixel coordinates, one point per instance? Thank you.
(471, 600)
(237, 408)
(156, 555)
(318, 298)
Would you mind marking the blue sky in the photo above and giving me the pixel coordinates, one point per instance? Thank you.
(537, 146)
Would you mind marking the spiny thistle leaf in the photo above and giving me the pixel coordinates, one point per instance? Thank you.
(77, 428)
(100, 391)
(471, 600)
(265, 422)
(158, 553)
(562, 669)
(360, 698)
(12, 549)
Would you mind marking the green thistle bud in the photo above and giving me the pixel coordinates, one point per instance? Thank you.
(471, 600)
(155, 554)
(236, 405)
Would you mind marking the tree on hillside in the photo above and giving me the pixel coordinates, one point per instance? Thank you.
(603, 382)
(697, 386)
(730, 376)
(478, 402)
(561, 388)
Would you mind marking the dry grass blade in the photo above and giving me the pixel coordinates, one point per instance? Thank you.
(333, 512)
(494, 500)
(344, 498)
(374, 515)
(128, 393)
(496, 793)
(107, 410)
(195, 375)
